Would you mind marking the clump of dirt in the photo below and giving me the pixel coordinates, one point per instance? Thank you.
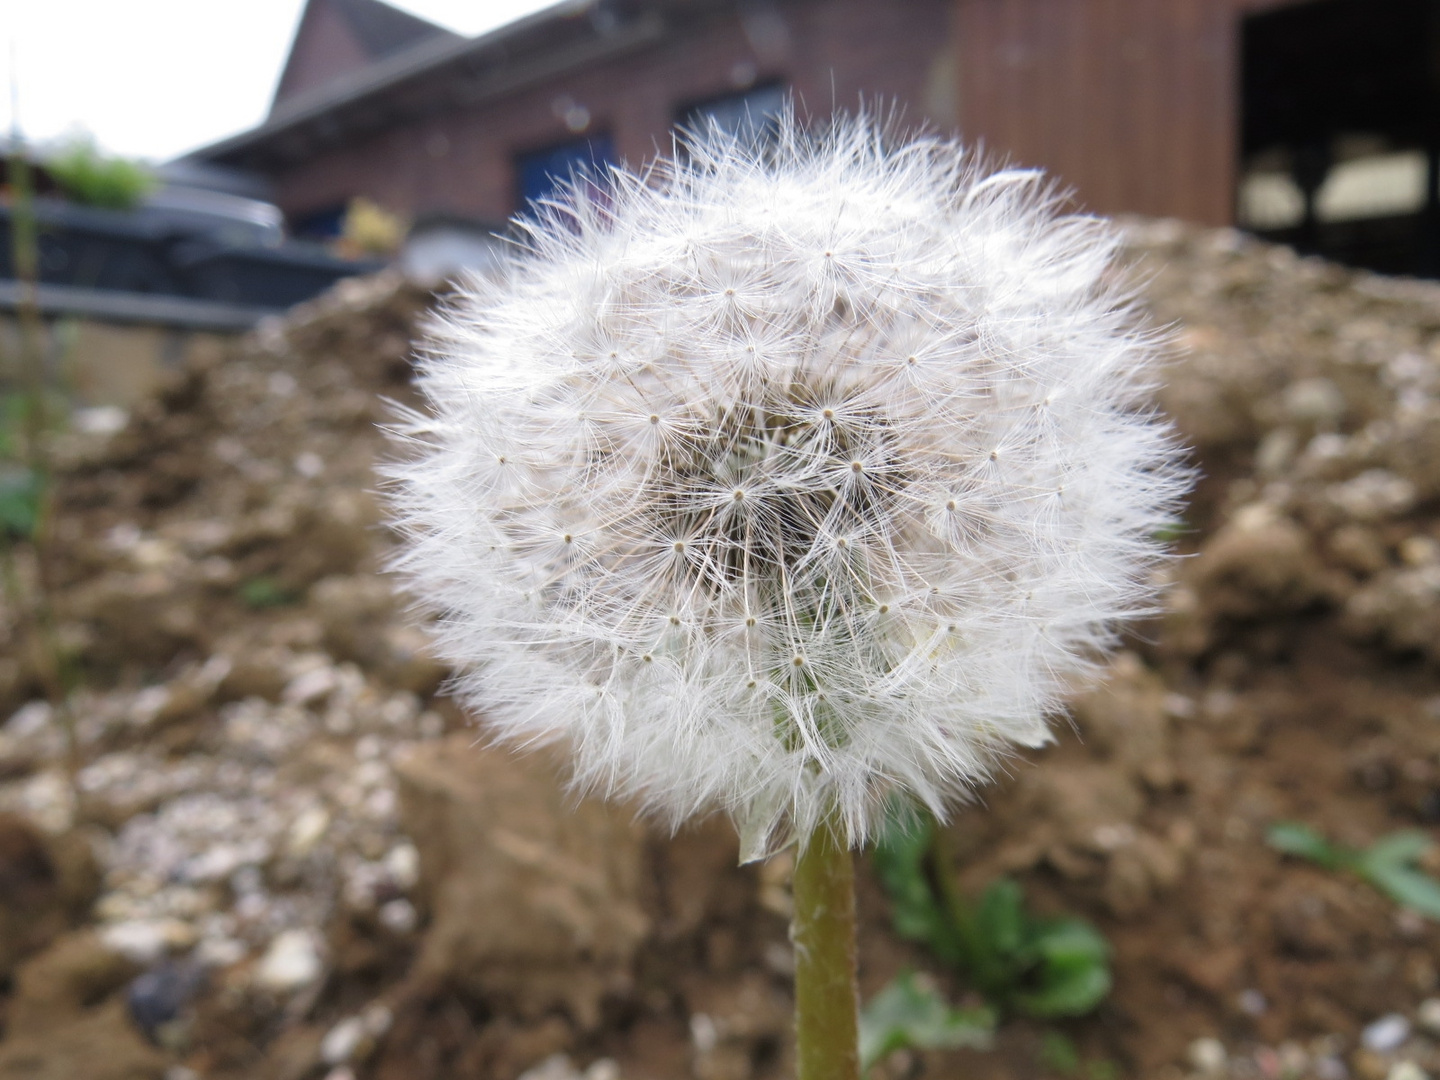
(308, 869)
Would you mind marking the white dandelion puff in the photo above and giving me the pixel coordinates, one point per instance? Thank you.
(789, 479)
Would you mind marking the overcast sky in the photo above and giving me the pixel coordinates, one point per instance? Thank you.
(154, 78)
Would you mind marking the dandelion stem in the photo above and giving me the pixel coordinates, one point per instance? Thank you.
(826, 1000)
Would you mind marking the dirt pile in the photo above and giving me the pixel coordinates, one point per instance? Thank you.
(306, 870)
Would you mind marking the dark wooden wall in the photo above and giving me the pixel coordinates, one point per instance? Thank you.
(1133, 103)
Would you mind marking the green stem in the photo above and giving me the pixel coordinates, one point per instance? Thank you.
(977, 957)
(827, 1003)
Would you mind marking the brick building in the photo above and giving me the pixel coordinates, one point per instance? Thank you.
(477, 126)
(1313, 121)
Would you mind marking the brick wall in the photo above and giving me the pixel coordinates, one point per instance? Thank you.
(324, 47)
(831, 52)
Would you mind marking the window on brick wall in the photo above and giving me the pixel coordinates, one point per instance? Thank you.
(540, 174)
(749, 116)
(326, 223)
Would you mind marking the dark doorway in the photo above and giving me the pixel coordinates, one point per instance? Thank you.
(1340, 131)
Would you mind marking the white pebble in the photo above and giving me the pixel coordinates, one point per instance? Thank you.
(144, 941)
(309, 685)
(220, 952)
(1406, 1070)
(555, 1067)
(1386, 1034)
(402, 863)
(399, 915)
(341, 1041)
(307, 830)
(1208, 1056)
(291, 961)
(28, 719)
(309, 464)
(377, 1018)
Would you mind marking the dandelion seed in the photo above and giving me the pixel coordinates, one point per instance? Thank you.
(832, 429)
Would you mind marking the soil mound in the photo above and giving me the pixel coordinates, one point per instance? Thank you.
(306, 868)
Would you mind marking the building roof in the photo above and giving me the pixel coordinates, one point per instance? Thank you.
(336, 38)
(382, 30)
(440, 72)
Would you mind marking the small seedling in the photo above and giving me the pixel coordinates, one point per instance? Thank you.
(1059, 1054)
(1389, 864)
(911, 1014)
(261, 593)
(21, 495)
(1020, 963)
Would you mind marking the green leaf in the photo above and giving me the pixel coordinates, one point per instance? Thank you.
(1407, 887)
(1295, 839)
(1070, 941)
(21, 495)
(1001, 919)
(908, 1013)
(1397, 849)
(899, 860)
(1073, 973)
(1059, 1054)
(1067, 991)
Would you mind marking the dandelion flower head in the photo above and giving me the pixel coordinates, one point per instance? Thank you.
(786, 480)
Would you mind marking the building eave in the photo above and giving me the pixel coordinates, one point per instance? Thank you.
(447, 72)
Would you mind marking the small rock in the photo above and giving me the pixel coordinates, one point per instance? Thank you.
(1368, 1065)
(1207, 1056)
(145, 941)
(1314, 401)
(160, 995)
(220, 952)
(1406, 1070)
(1428, 1015)
(402, 862)
(291, 962)
(1253, 1003)
(310, 685)
(1386, 1034)
(377, 1018)
(342, 1040)
(555, 1067)
(399, 915)
(307, 830)
(558, 1067)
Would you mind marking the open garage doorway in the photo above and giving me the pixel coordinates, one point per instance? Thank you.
(1340, 131)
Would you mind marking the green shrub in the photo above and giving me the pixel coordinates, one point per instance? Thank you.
(88, 176)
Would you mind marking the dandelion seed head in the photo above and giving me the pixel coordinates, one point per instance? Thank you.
(767, 388)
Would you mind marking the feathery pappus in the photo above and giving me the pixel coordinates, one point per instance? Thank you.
(783, 479)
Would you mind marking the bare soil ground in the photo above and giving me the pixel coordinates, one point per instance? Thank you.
(275, 850)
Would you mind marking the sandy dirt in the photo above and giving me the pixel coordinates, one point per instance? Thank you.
(277, 852)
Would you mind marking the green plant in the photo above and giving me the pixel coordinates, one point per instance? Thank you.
(262, 592)
(89, 176)
(26, 492)
(1389, 864)
(1019, 962)
(22, 480)
(1059, 1054)
(909, 1013)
